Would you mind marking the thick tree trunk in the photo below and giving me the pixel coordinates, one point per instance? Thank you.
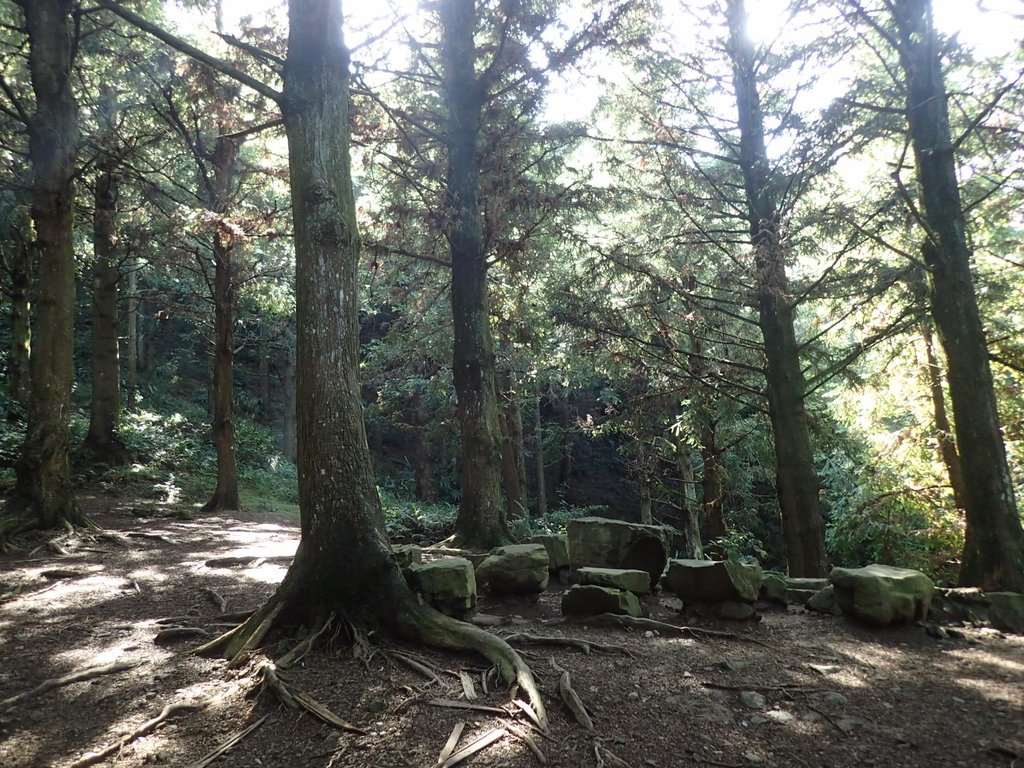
(943, 431)
(513, 459)
(19, 368)
(44, 494)
(102, 443)
(994, 546)
(797, 481)
(691, 510)
(481, 519)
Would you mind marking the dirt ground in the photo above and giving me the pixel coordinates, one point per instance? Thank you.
(796, 689)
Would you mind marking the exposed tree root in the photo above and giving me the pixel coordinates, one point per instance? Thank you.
(171, 634)
(473, 747)
(217, 599)
(301, 701)
(171, 710)
(296, 654)
(74, 677)
(530, 742)
(574, 702)
(586, 646)
(450, 745)
(605, 619)
(453, 704)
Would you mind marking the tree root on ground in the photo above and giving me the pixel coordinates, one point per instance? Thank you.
(605, 619)
(227, 744)
(586, 646)
(574, 702)
(171, 710)
(81, 675)
(301, 701)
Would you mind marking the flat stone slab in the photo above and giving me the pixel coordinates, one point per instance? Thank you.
(590, 600)
(516, 569)
(638, 582)
(449, 584)
(602, 542)
(881, 594)
(557, 546)
(714, 581)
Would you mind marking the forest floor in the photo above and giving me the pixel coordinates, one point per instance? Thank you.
(796, 689)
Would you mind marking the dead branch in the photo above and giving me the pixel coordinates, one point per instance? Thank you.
(171, 710)
(449, 746)
(529, 741)
(452, 704)
(467, 686)
(574, 702)
(302, 701)
(296, 654)
(476, 746)
(74, 677)
(416, 666)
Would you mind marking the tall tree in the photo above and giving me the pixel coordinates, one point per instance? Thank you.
(44, 496)
(481, 519)
(994, 544)
(796, 478)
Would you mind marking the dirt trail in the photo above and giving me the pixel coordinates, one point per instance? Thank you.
(824, 692)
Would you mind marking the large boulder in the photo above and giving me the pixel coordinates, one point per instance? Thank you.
(881, 594)
(638, 582)
(773, 587)
(822, 601)
(959, 605)
(448, 584)
(714, 581)
(1006, 611)
(516, 569)
(602, 542)
(590, 600)
(557, 546)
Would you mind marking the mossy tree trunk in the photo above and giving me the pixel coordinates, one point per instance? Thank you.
(481, 519)
(994, 547)
(44, 494)
(797, 482)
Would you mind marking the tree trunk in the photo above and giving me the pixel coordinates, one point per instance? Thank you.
(797, 481)
(20, 268)
(44, 494)
(943, 431)
(565, 446)
(133, 340)
(538, 440)
(513, 460)
(691, 510)
(102, 443)
(263, 379)
(712, 485)
(481, 519)
(226, 494)
(994, 546)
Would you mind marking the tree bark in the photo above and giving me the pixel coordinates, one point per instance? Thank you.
(132, 341)
(513, 460)
(481, 519)
(797, 481)
(19, 265)
(44, 494)
(712, 485)
(691, 510)
(289, 427)
(102, 443)
(943, 431)
(994, 544)
(538, 440)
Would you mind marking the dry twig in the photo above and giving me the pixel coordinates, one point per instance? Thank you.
(171, 710)
(74, 677)
(227, 744)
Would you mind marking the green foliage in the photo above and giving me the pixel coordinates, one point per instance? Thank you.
(415, 521)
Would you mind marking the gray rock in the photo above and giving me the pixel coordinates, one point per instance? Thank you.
(831, 698)
(881, 594)
(589, 600)
(557, 546)
(752, 700)
(407, 554)
(734, 611)
(801, 596)
(606, 543)
(803, 582)
(714, 581)
(780, 716)
(517, 569)
(448, 584)
(773, 587)
(635, 581)
(823, 601)
(1006, 611)
(959, 604)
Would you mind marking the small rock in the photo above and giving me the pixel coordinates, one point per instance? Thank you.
(833, 698)
(752, 700)
(780, 716)
(824, 669)
(848, 724)
(633, 696)
(732, 666)
(753, 758)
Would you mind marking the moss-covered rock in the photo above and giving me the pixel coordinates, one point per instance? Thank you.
(773, 587)
(631, 580)
(557, 546)
(714, 581)
(881, 594)
(1006, 611)
(407, 554)
(590, 600)
(516, 569)
(822, 601)
(449, 584)
(602, 542)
